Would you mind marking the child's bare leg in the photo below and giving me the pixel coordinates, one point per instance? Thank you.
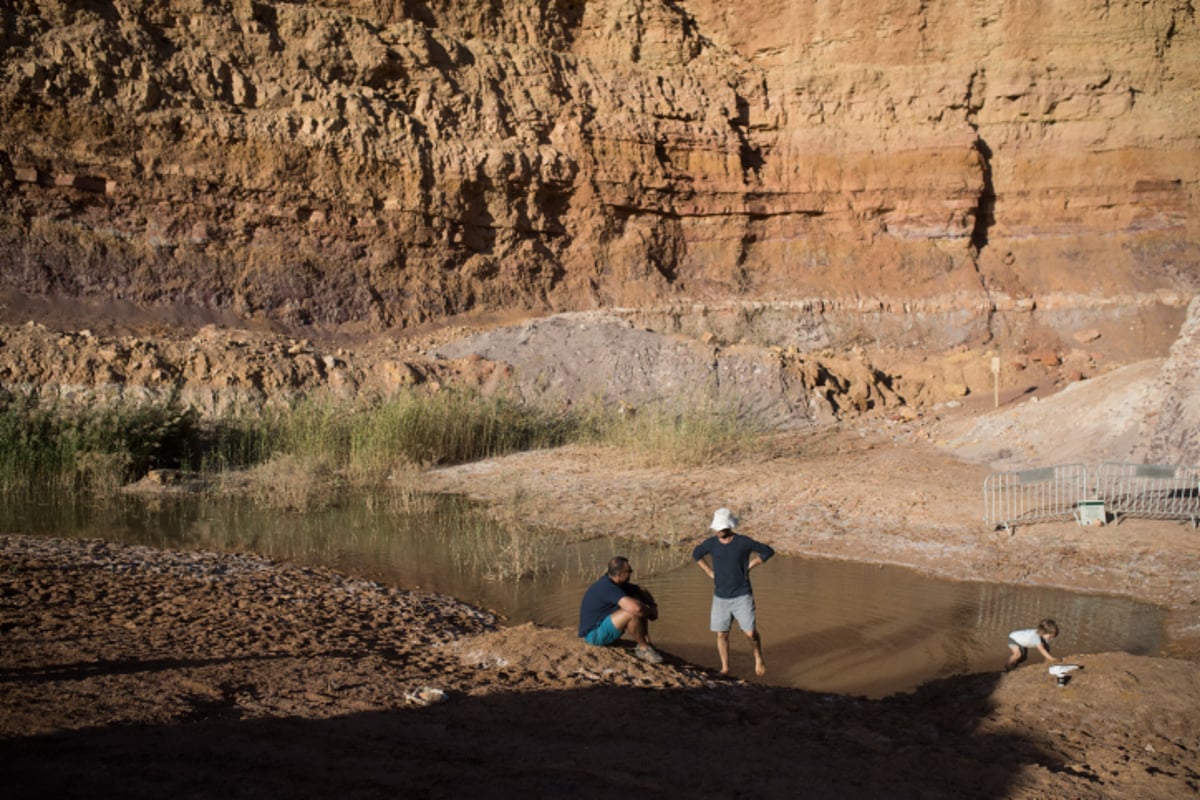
(760, 666)
(1016, 658)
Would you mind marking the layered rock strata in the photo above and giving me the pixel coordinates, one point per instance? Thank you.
(368, 165)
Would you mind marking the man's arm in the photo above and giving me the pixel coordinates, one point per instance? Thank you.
(634, 606)
(759, 554)
(648, 602)
(702, 564)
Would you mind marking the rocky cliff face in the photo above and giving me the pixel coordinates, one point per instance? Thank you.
(985, 169)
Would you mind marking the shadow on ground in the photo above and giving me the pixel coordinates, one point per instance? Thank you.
(725, 741)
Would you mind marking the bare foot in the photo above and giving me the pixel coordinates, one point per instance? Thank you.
(724, 673)
(760, 669)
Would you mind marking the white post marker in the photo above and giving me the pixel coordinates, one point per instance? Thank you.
(996, 381)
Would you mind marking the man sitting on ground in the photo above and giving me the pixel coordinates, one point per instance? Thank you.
(612, 606)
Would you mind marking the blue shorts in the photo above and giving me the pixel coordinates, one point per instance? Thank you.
(726, 609)
(604, 634)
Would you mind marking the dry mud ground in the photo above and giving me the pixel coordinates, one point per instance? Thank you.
(129, 672)
(136, 673)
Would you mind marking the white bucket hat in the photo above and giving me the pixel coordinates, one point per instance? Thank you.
(724, 520)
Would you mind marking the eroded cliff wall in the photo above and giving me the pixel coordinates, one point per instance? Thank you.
(375, 163)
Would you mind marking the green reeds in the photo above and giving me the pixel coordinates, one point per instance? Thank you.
(681, 437)
(298, 454)
(447, 428)
(366, 442)
(91, 450)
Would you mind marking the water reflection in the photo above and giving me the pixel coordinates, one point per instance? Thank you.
(826, 625)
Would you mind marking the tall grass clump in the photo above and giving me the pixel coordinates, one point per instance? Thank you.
(318, 445)
(302, 455)
(449, 427)
(99, 449)
(367, 442)
(46, 448)
(684, 436)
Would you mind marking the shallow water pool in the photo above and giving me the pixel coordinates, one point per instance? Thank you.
(826, 625)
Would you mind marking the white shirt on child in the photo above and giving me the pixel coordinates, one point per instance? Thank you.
(1026, 638)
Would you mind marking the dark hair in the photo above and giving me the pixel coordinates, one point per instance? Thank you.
(1048, 626)
(617, 565)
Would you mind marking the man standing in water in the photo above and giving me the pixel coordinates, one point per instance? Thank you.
(732, 557)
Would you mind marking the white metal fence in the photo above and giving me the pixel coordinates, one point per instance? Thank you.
(1034, 495)
(1066, 491)
(1156, 491)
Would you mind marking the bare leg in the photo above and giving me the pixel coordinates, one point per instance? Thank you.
(723, 650)
(639, 629)
(1016, 658)
(760, 666)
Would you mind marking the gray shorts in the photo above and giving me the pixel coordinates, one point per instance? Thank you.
(727, 609)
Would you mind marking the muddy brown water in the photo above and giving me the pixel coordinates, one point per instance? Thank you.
(827, 625)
